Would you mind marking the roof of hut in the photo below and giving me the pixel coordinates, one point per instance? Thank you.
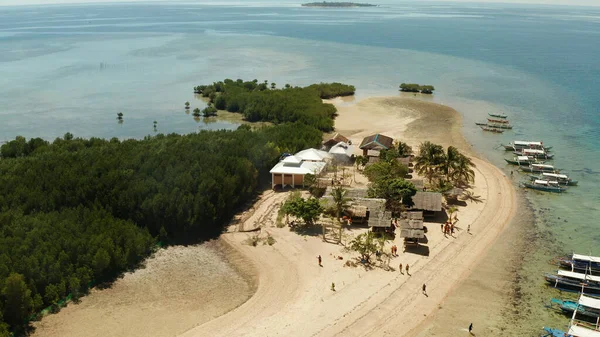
(427, 201)
(336, 139)
(377, 142)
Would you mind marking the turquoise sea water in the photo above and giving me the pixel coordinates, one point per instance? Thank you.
(72, 68)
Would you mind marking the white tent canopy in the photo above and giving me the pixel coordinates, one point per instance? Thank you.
(589, 302)
(522, 158)
(579, 331)
(586, 258)
(342, 148)
(312, 155)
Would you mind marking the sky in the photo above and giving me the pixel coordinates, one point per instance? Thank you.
(546, 2)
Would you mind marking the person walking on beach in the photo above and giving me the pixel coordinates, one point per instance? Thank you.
(319, 259)
(470, 328)
(332, 286)
(442, 227)
(469, 228)
(400, 268)
(407, 270)
(424, 289)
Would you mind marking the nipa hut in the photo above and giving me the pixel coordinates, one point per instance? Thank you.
(376, 142)
(428, 202)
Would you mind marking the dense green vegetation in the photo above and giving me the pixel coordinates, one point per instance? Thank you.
(76, 212)
(412, 87)
(387, 179)
(337, 4)
(257, 102)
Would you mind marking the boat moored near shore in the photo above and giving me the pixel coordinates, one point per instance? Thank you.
(497, 115)
(572, 281)
(562, 179)
(534, 153)
(578, 262)
(545, 185)
(518, 145)
(523, 161)
(539, 168)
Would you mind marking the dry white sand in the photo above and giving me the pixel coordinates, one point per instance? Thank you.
(190, 291)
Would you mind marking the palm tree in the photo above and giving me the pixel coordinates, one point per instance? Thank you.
(451, 211)
(452, 155)
(339, 199)
(273, 85)
(462, 172)
(187, 105)
(430, 160)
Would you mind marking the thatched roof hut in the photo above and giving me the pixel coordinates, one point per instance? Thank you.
(427, 201)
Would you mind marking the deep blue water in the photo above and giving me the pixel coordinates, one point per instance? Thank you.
(72, 68)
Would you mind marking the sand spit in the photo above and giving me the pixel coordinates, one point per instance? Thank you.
(294, 296)
(192, 291)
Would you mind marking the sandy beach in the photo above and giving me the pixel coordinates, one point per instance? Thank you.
(293, 295)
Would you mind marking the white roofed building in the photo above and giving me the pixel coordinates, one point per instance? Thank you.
(291, 170)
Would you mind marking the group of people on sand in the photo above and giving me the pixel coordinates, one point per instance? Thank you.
(448, 226)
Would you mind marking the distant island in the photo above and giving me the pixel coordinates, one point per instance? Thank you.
(413, 87)
(337, 4)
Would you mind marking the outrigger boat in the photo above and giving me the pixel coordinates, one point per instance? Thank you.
(577, 330)
(485, 128)
(522, 160)
(503, 121)
(586, 306)
(534, 153)
(519, 144)
(497, 115)
(562, 179)
(544, 185)
(539, 168)
(572, 281)
(500, 125)
(578, 262)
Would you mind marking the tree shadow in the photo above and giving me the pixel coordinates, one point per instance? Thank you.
(456, 202)
(308, 230)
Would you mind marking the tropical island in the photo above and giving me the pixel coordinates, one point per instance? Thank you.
(76, 213)
(327, 4)
(413, 87)
(106, 204)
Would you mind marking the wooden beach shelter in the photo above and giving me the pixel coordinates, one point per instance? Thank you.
(428, 202)
(411, 225)
(291, 171)
(376, 142)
